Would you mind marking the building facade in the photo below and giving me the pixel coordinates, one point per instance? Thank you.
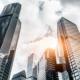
(31, 69)
(9, 33)
(47, 66)
(19, 76)
(69, 46)
(61, 69)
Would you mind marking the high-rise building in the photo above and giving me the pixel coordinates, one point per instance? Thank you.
(19, 76)
(30, 66)
(31, 69)
(61, 69)
(47, 66)
(69, 47)
(9, 22)
(3, 60)
(9, 33)
(35, 72)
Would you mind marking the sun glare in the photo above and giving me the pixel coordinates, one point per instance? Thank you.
(49, 42)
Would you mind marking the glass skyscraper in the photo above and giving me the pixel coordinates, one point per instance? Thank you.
(61, 69)
(9, 21)
(9, 33)
(31, 69)
(19, 76)
(69, 46)
(47, 66)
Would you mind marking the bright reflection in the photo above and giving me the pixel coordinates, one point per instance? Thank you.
(49, 42)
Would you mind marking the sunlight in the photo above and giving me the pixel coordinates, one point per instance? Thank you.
(49, 42)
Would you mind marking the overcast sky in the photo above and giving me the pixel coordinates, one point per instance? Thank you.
(36, 16)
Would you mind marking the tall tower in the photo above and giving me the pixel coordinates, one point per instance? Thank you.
(9, 22)
(31, 70)
(69, 45)
(47, 66)
(30, 67)
(9, 33)
(19, 76)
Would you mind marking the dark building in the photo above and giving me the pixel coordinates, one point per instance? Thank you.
(61, 69)
(9, 33)
(8, 22)
(69, 46)
(47, 66)
(20, 76)
(3, 61)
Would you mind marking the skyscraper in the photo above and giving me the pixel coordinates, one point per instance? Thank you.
(47, 66)
(30, 66)
(9, 32)
(69, 46)
(61, 69)
(9, 21)
(31, 69)
(35, 72)
(20, 76)
(3, 61)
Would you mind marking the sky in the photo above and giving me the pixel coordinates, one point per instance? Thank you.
(38, 17)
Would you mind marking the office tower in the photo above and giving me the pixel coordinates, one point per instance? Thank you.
(19, 76)
(31, 69)
(69, 45)
(5, 65)
(35, 72)
(47, 66)
(9, 21)
(30, 66)
(9, 33)
(3, 59)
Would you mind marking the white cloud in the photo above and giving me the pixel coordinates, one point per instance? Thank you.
(1, 6)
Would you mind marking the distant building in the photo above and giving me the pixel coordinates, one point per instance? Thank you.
(47, 66)
(31, 70)
(9, 33)
(30, 66)
(69, 46)
(35, 73)
(20, 76)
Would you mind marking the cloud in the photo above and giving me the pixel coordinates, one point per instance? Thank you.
(1, 6)
(72, 2)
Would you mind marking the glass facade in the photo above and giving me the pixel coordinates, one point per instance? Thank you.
(31, 69)
(11, 9)
(41, 75)
(47, 66)
(8, 17)
(20, 76)
(69, 42)
(2, 66)
(9, 34)
(30, 66)
(4, 22)
(35, 72)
